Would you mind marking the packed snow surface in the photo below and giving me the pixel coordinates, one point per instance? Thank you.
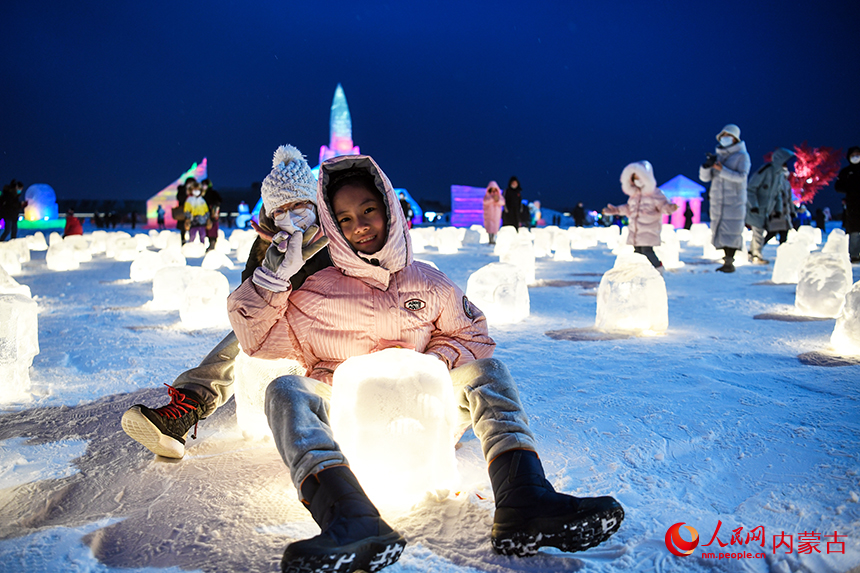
(716, 422)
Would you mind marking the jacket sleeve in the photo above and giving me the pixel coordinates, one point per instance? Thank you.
(259, 321)
(460, 335)
(839, 184)
(752, 190)
(623, 210)
(740, 175)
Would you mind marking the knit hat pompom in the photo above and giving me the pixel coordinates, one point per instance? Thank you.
(291, 180)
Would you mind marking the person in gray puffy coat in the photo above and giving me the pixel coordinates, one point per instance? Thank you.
(644, 210)
(728, 193)
(768, 201)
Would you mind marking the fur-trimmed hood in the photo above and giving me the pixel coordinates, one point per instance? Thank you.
(375, 269)
(645, 173)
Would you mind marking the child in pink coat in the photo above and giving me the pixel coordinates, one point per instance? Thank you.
(493, 205)
(373, 297)
(644, 210)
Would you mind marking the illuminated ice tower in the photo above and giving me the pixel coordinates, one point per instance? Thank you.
(340, 125)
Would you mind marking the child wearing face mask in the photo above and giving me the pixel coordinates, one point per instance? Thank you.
(289, 192)
(375, 296)
(196, 211)
(644, 209)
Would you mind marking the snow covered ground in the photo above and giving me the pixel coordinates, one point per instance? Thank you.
(717, 422)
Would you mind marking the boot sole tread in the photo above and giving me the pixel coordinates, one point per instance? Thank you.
(373, 556)
(141, 429)
(574, 535)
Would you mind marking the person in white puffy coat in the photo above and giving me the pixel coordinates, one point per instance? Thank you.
(644, 210)
(728, 193)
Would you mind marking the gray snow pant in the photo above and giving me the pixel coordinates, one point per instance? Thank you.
(212, 380)
(756, 242)
(297, 408)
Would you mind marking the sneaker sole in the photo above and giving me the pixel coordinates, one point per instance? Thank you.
(571, 537)
(140, 429)
(372, 557)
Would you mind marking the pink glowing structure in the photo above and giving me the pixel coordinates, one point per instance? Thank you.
(681, 191)
(467, 205)
(167, 196)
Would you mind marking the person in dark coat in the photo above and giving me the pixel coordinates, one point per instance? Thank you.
(688, 216)
(10, 208)
(579, 215)
(513, 204)
(848, 182)
(213, 200)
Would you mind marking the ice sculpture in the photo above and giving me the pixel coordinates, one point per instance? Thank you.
(522, 255)
(216, 259)
(193, 250)
(166, 198)
(837, 243)
(822, 284)
(500, 291)
(9, 260)
(393, 414)
(61, 257)
(80, 247)
(145, 265)
(506, 237)
(543, 242)
(561, 246)
(204, 302)
(448, 240)
(168, 287)
(416, 237)
(19, 344)
(789, 260)
(252, 376)
(54, 239)
(846, 334)
(811, 234)
(41, 203)
(21, 247)
(700, 235)
(98, 242)
(37, 241)
(125, 248)
(340, 129)
(8, 285)
(632, 298)
(172, 257)
(471, 237)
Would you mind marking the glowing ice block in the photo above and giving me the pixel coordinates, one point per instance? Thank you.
(393, 414)
(822, 284)
(8, 285)
(252, 376)
(789, 260)
(846, 334)
(204, 302)
(522, 255)
(19, 344)
(61, 257)
(500, 291)
(145, 265)
(632, 298)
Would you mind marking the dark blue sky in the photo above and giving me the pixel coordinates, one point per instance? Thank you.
(116, 99)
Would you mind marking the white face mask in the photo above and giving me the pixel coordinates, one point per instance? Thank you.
(196, 192)
(727, 141)
(299, 218)
(855, 159)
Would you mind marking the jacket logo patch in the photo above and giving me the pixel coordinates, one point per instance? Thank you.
(467, 308)
(414, 304)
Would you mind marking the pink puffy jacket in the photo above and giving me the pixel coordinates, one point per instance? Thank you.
(362, 303)
(646, 206)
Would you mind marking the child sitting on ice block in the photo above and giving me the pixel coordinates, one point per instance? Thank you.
(644, 210)
(356, 307)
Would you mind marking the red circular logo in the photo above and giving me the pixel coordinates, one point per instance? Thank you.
(678, 546)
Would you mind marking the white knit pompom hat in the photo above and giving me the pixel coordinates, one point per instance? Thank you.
(291, 179)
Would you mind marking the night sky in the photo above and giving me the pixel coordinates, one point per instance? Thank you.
(116, 99)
